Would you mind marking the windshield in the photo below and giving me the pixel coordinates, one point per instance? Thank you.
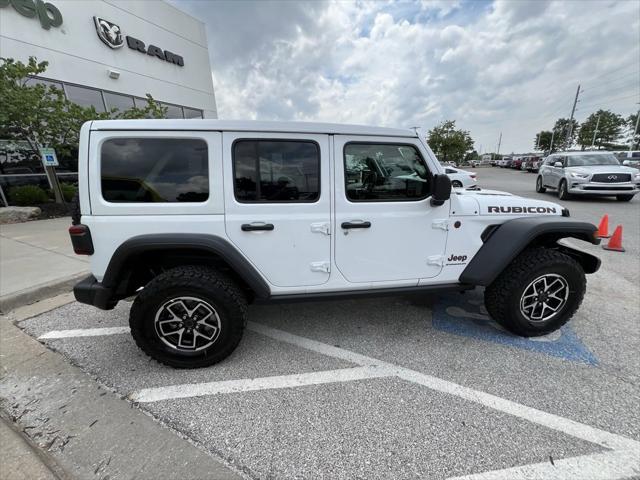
(591, 159)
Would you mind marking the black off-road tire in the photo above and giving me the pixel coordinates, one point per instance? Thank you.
(624, 198)
(200, 282)
(502, 297)
(563, 193)
(539, 185)
(74, 209)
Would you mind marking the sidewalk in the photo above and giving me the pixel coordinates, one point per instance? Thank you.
(37, 261)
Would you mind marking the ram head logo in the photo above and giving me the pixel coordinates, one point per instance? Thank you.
(109, 32)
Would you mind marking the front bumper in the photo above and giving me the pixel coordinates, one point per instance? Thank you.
(596, 188)
(92, 292)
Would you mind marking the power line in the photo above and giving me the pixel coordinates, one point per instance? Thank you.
(610, 100)
(610, 72)
(613, 86)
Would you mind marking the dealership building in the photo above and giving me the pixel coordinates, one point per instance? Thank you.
(110, 54)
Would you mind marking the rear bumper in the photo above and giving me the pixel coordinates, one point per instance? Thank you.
(92, 292)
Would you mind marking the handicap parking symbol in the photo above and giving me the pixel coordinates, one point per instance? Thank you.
(465, 315)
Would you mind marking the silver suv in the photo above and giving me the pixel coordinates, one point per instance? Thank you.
(590, 173)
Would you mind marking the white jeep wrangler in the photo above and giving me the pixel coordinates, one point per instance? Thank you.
(199, 218)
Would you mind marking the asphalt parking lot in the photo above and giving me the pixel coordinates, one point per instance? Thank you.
(400, 387)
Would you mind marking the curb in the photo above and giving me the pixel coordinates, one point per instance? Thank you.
(40, 292)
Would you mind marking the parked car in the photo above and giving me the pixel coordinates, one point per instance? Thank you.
(504, 162)
(207, 226)
(589, 172)
(531, 164)
(460, 178)
(629, 158)
(516, 163)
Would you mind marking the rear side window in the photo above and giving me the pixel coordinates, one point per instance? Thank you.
(267, 171)
(385, 172)
(154, 170)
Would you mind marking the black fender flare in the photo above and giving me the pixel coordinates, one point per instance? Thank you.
(188, 241)
(506, 241)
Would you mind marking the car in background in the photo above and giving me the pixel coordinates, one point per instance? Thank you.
(629, 158)
(460, 178)
(531, 164)
(588, 173)
(516, 163)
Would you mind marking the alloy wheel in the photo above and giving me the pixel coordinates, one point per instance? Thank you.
(544, 297)
(188, 324)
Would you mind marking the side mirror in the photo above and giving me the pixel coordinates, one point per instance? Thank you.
(441, 191)
(626, 163)
(558, 165)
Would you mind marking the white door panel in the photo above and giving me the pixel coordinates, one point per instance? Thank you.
(296, 250)
(400, 238)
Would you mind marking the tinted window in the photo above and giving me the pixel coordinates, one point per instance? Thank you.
(85, 97)
(385, 172)
(192, 113)
(173, 111)
(276, 171)
(587, 159)
(155, 170)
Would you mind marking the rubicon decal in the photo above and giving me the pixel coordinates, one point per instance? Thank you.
(521, 210)
(111, 35)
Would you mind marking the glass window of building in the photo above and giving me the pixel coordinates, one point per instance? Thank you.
(192, 113)
(118, 101)
(173, 111)
(140, 102)
(85, 97)
(41, 81)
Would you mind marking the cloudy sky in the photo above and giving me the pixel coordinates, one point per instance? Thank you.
(493, 66)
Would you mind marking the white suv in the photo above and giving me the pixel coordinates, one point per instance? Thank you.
(588, 173)
(199, 218)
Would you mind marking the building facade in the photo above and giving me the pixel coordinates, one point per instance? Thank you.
(111, 54)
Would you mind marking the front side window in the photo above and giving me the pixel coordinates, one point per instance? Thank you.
(385, 172)
(276, 171)
(154, 170)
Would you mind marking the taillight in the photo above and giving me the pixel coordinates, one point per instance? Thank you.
(81, 239)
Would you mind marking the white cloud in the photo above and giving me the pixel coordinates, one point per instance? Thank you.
(510, 67)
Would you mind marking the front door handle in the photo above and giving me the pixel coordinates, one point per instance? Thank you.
(254, 227)
(347, 225)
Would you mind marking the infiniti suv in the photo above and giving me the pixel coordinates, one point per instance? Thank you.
(590, 173)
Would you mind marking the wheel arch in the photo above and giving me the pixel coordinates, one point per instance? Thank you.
(134, 262)
(505, 242)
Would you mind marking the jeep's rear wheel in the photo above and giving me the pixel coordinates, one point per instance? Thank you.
(189, 317)
(537, 293)
(539, 186)
(563, 193)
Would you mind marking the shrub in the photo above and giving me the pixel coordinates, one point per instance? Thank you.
(68, 191)
(27, 196)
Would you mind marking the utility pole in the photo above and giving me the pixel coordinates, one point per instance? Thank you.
(573, 111)
(635, 131)
(595, 132)
(499, 143)
(553, 134)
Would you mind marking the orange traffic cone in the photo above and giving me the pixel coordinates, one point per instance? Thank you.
(615, 242)
(603, 228)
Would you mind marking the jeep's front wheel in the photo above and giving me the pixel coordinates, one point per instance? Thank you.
(189, 317)
(537, 293)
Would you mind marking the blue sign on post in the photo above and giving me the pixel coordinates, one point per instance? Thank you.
(49, 158)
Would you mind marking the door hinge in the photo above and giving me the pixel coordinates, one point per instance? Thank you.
(320, 267)
(321, 228)
(437, 260)
(442, 224)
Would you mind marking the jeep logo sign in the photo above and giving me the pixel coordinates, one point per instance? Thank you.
(47, 13)
(111, 35)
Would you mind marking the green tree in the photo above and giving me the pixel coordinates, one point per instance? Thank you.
(610, 126)
(561, 140)
(448, 143)
(42, 116)
(543, 140)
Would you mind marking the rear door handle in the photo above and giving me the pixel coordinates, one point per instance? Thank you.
(347, 225)
(254, 227)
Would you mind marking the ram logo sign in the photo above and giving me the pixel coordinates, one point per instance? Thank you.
(108, 32)
(111, 35)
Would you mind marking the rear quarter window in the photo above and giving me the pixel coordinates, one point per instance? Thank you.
(154, 170)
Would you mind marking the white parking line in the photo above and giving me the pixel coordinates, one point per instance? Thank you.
(250, 384)
(84, 332)
(599, 466)
(621, 462)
